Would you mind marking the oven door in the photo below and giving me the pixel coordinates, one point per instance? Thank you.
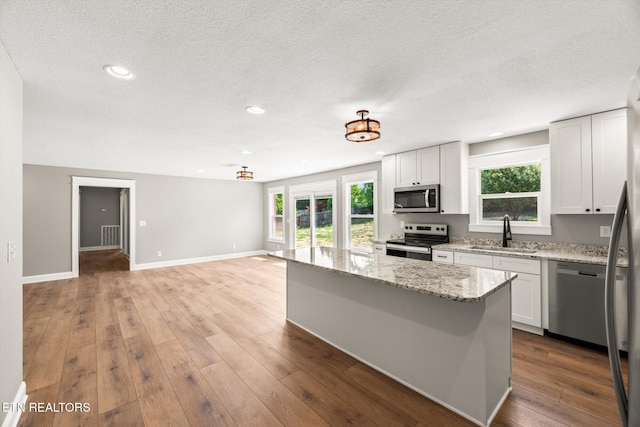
(414, 252)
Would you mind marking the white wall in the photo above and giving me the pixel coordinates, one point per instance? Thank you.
(10, 229)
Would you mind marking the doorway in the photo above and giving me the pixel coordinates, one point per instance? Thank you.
(126, 232)
(314, 225)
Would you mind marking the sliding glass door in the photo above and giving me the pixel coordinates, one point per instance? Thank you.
(314, 219)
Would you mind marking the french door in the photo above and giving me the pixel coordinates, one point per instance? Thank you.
(314, 214)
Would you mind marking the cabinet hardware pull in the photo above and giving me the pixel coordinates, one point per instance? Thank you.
(588, 210)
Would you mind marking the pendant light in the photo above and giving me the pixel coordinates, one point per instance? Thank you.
(244, 174)
(363, 129)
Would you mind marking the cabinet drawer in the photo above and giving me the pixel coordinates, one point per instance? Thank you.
(445, 257)
(379, 249)
(518, 265)
(475, 260)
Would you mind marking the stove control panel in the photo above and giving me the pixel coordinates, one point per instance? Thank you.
(431, 229)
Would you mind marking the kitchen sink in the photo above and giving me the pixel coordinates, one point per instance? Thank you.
(516, 250)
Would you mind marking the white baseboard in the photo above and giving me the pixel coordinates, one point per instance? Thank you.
(175, 262)
(47, 277)
(98, 248)
(17, 407)
(171, 263)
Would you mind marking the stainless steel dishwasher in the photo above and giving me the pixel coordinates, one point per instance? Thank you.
(576, 302)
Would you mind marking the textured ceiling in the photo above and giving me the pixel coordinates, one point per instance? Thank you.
(430, 71)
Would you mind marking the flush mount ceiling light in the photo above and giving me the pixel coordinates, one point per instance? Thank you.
(254, 109)
(244, 174)
(363, 129)
(119, 72)
(495, 134)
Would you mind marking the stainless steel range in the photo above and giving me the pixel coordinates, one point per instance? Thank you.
(418, 239)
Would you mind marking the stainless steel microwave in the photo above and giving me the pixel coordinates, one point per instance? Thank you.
(418, 198)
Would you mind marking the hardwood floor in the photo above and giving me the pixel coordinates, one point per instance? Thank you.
(207, 345)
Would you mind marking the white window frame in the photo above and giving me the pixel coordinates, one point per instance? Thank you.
(272, 191)
(347, 182)
(525, 156)
(311, 191)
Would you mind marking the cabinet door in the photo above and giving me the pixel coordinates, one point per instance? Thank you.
(526, 304)
(388, 172)
(428, 165)
(445, 257)
(406, 169)
(454, 182)
(475, 260)
(609, 148)
(570, 146)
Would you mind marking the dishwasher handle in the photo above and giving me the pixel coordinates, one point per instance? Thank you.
(572, 272)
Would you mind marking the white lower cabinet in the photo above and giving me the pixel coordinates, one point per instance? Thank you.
(475, 260)
(445, 257)
(526, 289)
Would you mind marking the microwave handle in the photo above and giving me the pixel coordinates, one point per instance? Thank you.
(426, 198)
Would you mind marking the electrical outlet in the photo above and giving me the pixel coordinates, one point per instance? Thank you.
(605, 231)
(402, 224)
(12, 249)
(159, 253)
(142, 223)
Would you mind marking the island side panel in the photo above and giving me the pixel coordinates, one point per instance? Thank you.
(434, 345)
(499, 349)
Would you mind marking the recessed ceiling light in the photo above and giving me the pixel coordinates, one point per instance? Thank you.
(245, 152)
(254, 109)
(304, 161)
(495, 134)
(380, 153)
(119, 72)
(200, 171)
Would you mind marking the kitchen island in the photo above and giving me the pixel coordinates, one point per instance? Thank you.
(442, 330)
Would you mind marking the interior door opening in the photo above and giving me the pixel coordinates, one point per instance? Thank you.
(105, 246)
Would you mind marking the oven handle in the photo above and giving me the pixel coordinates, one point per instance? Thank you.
(409, 248)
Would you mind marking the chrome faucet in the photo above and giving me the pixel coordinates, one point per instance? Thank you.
(506, 230)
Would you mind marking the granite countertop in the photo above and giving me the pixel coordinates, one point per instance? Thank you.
(458, 283)
(588, 254)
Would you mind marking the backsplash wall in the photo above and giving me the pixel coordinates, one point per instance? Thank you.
(578, 229)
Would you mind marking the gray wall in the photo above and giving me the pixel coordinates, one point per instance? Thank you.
(98, 206)
(10, 229)
(580, 229)
(324, 176)
(186, 217)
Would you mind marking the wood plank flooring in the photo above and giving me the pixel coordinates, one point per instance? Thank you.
(208, 345)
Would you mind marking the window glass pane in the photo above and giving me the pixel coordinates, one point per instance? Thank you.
(303, 226)
(277, 217)
(362, 233)
(362, 198)
(514, 179)
(324, 222)
(518, 208)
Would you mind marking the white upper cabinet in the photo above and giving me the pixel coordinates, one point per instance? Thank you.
(454, 182)
(419, 167)
(388, 172)
(588, 163)
(609, 148)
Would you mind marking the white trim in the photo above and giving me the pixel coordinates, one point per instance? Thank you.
(271, 191)
(185, 261)
(52, 277)
(347, 181)
(98, 248)
(13, 416)
(77, 182)
(329, 185)
(530, 155)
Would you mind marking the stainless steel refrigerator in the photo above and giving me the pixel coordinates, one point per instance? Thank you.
(629, 206)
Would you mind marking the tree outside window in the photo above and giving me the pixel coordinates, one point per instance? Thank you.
(361, 224)
(513, 190)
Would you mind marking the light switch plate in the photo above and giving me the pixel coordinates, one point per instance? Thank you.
(143, 223)
(605, 231)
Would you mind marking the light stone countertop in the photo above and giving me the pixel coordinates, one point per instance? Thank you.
(457, 283)
(587, 254)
